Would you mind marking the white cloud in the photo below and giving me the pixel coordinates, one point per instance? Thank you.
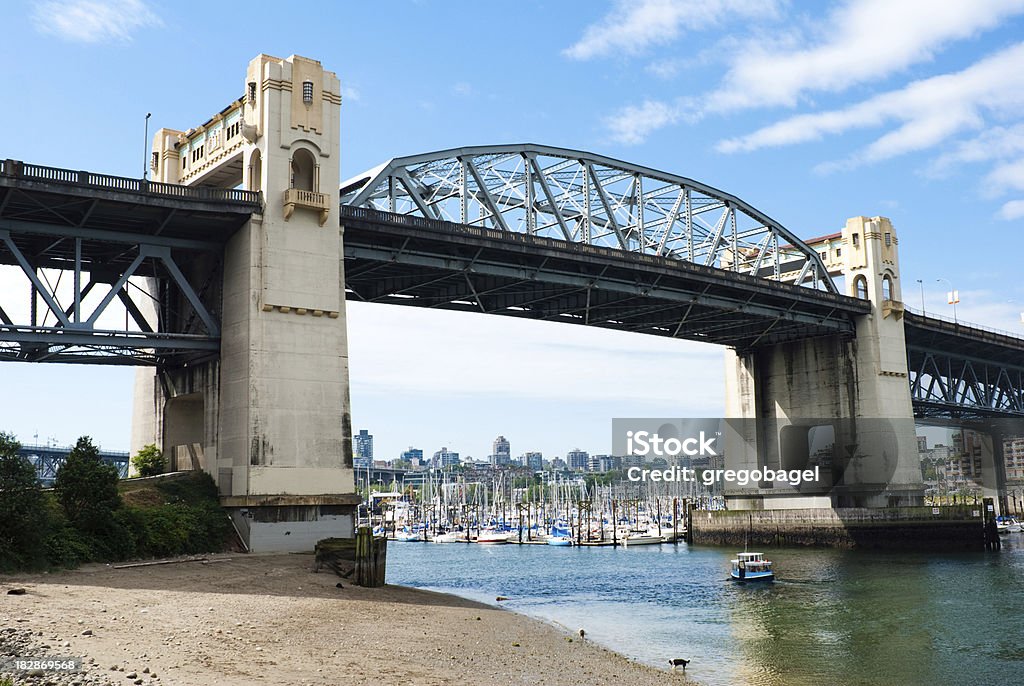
(632, 124)
(634, 25)
(995, 143)
(94, 21)
(929, 111)
(1014, 209)
(860, 42)
(1007, 176)
(866, 40)
(350, 94)
(462, 88)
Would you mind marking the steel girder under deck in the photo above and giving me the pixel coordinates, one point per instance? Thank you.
(114, 270)
(407, 260)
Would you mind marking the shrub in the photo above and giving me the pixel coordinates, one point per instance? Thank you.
(23, 517)
(149, 461)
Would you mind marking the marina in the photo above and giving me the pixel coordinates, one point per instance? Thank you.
(449, 508)
(831, 617)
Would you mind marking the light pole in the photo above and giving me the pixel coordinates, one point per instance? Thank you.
(954, 297)
(921, 284)
(145, 149)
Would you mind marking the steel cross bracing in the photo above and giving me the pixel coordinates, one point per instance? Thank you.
(961, 371)
(589, 199)
(107, 270)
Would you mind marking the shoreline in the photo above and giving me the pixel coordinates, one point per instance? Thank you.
(267, 619)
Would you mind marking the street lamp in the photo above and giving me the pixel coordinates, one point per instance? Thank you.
(921, 284)
(953, 297)
(145, 149)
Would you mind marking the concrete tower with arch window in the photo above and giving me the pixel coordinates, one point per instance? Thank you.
(270, 419)
(853, 390)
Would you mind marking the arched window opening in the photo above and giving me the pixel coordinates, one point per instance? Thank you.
(887, 287)
(860, 285)
(303, 171)
(256, 171)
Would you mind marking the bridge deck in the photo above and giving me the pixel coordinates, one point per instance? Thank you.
(402, 259)
(42, 207)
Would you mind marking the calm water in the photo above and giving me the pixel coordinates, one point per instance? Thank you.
(835, 617)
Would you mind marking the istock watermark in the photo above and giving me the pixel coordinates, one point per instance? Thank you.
(646, 443)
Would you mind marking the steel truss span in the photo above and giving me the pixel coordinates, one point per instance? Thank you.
(960, 371)
(593, 200)
(107, 270)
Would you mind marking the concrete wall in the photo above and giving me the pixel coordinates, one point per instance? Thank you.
(946, 528)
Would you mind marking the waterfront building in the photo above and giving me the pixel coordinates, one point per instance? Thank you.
(414, 456)
(605, 463)
(1013, 456)
(965, 464)
(534, 461)
(445, 458)
(501, 454)
(362, 449)
(578, 460)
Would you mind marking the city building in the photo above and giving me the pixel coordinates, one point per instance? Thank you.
(362, 449)
(534, 461)
(414, 456)
(605, 463)
(501, 454)
(558, 464)
(1013, 456)
(578, 460)
(445, 458)
(965, 461)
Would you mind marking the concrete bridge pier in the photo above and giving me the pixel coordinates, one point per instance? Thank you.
(269, 419)
(841, 404)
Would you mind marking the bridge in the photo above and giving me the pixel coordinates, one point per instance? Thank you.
(225, 279)
(48, 459)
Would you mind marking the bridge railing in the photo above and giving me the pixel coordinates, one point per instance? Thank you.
(372, 215)
(87, 179)
(957, 324)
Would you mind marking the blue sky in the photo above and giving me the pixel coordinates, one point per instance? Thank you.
(812, 112)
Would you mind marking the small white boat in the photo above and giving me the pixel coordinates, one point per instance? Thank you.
(559, 540)
(492, 537)
(408, 536)
(450, 537)
(752, 567)
(641, 539)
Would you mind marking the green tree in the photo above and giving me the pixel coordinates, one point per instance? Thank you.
(23, 517)
(149, 461)
(86, 488)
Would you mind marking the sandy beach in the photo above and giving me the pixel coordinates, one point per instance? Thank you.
(242, 619)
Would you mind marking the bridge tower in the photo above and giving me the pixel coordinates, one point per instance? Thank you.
(269, 419)
(838, 403)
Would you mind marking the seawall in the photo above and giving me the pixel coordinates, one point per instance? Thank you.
(958, 527)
